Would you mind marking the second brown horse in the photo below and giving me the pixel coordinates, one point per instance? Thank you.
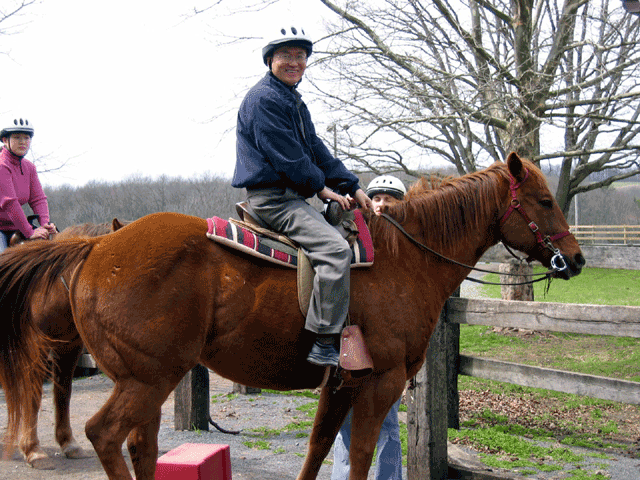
(51, 312)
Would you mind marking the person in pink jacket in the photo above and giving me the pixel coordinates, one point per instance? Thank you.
(19, 185)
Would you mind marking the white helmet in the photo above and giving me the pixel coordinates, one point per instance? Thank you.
(291, 36)
(17, 125)
(387, 184)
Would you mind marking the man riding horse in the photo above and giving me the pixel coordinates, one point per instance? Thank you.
(282, 162)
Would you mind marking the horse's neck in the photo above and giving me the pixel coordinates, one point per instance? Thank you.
(453, 261)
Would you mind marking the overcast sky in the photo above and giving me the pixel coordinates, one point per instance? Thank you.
(125, 88)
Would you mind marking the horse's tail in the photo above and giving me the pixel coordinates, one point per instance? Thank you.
(23, 347)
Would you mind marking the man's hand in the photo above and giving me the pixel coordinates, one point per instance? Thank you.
(361, 198)
(326, 194)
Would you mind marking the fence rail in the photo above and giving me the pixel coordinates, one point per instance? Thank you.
(429, 409)
(607, 234)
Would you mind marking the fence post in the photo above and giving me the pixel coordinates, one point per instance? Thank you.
(625, 235)
(244, 390)
(452, 345)
(191, 400)
(509, 290)
(427, 413)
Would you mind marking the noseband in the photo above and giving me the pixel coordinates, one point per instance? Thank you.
(557, 261)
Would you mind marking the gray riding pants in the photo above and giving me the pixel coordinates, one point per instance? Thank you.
(288, 213)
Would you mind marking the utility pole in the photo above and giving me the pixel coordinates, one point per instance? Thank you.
(334, 128)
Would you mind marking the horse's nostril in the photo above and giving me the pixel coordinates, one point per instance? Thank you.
(580, 260)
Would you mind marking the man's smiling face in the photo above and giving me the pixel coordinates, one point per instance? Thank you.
(289, 64)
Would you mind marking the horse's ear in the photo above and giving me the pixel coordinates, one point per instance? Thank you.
(116, 225)
(515, 166)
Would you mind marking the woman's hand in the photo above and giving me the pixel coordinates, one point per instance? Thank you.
(40, 232)
(51, 228)
(327, 194)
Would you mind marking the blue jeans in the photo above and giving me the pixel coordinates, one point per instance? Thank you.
(4, 239)
(389, 453)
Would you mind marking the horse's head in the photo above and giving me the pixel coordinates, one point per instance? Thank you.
(532, 221)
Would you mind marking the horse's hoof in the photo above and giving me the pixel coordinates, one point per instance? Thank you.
(43, 463)
(74, 452)
(35, 455)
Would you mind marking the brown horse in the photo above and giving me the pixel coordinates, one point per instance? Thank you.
(51, 312)
(157, 297)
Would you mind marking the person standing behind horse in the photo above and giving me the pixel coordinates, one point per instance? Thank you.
(383, 190)
(282, 162)
(19, 184)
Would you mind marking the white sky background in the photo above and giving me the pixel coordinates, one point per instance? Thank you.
(126, 88)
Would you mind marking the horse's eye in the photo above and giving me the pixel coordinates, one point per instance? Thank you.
(546, 203)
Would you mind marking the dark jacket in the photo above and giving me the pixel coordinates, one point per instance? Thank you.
(277, 145)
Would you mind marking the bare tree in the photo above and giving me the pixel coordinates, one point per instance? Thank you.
(14, 18)
(467, 81)
(12, 15)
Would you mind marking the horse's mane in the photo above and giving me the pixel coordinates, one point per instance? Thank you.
(426, 183)
(449, 210)
(87, 230)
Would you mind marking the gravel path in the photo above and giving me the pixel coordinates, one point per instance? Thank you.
(281, 459)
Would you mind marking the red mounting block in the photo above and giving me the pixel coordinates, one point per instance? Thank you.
(195, 461)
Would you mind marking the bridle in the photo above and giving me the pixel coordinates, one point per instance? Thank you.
(557, 261)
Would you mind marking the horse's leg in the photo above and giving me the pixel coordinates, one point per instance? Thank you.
(332, 410)
(370, 408)
(132, 404)
(28, 437)
(142, 443)
(66, 358)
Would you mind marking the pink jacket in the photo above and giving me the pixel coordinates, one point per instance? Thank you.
(19, 184)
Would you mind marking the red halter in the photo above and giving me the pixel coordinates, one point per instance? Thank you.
(547, 241)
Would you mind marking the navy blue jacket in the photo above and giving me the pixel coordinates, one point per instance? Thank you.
(277, 145)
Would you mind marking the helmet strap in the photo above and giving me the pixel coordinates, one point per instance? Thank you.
(8, 145)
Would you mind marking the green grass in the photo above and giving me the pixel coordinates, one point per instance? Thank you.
(514, 446)
(259, 445)
(595, 286)
(294, 393)
(606, 356)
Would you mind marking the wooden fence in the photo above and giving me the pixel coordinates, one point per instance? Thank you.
(607, 234)
(431, 412)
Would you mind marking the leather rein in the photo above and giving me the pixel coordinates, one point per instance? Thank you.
(558, 263)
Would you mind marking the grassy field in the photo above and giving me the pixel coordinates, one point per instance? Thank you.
(617, 357)
(599, 286)
(511, 428)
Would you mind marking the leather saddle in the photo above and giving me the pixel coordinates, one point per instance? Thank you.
(354, 356)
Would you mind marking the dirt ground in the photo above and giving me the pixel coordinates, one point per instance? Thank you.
(252, 456)
(280, 457)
